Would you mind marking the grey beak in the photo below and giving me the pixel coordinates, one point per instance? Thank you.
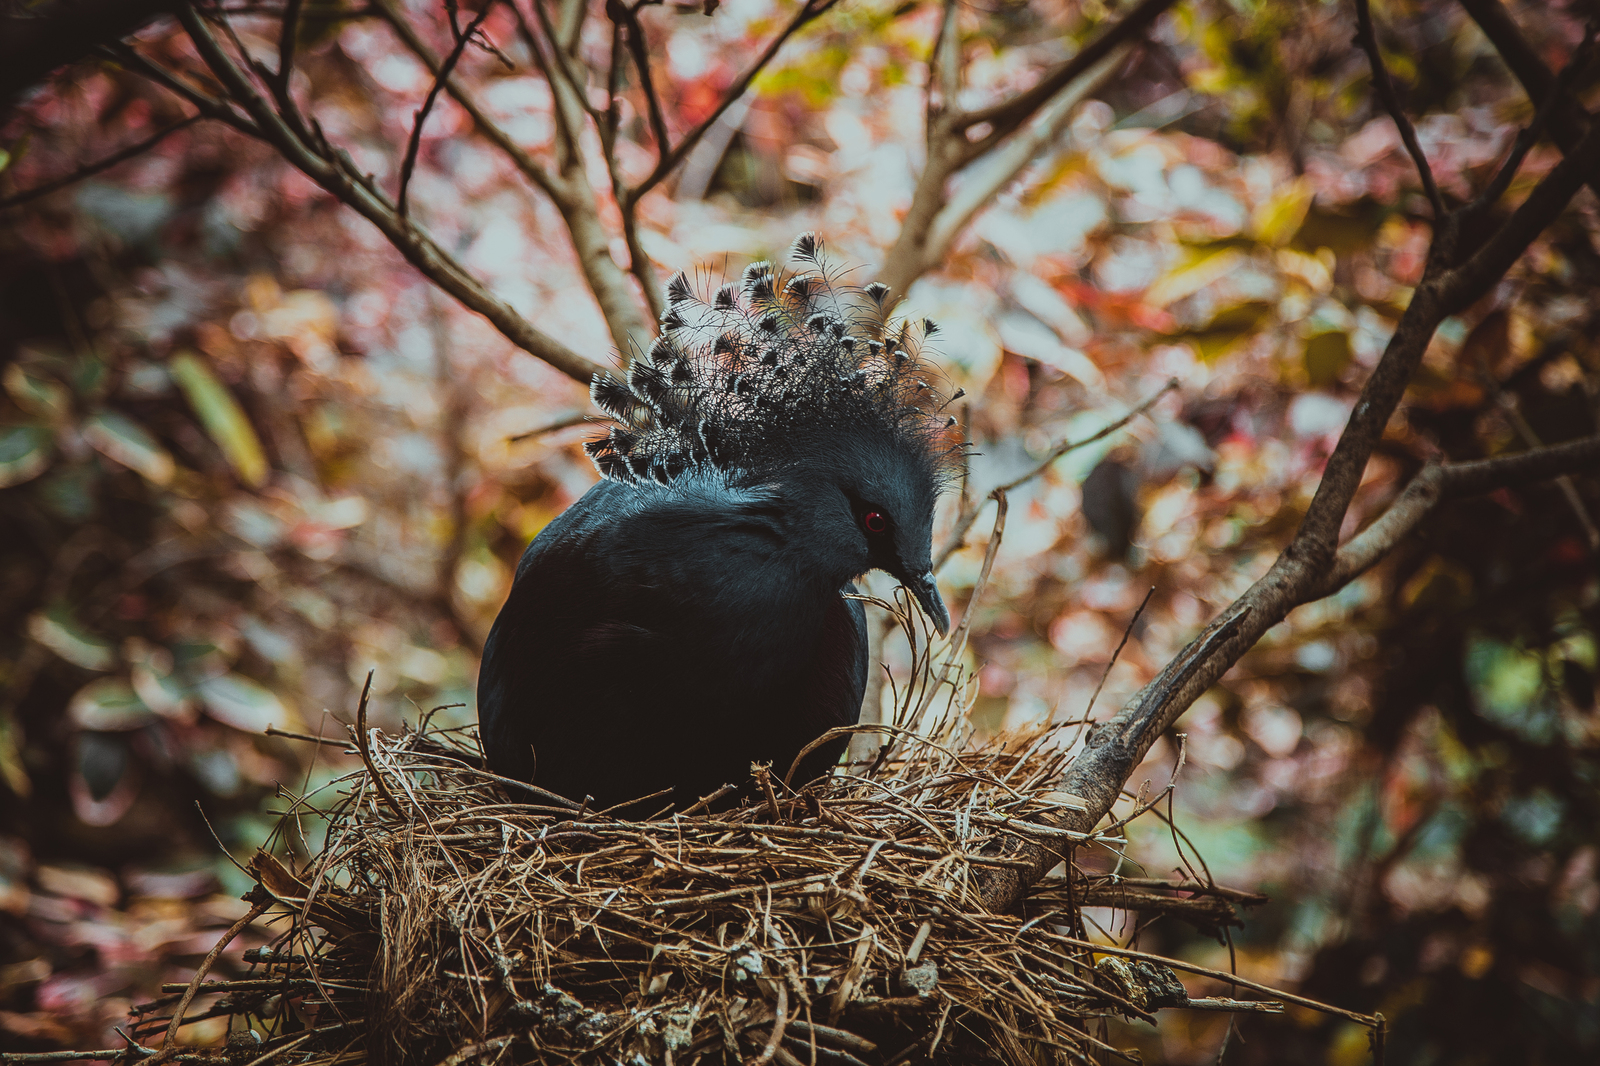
(927, 595)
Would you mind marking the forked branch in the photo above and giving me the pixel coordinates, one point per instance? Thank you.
(1314, 565)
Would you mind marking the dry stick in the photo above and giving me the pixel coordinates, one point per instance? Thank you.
(778, 1025)
(1126, 633)
(565, 422)
(449, 65)
(108, 1055)
(1220, 975)
(472, 1051)
(89, 169)
(958, 639)
(275, 1052)
(1237, 1006)
(1306, 568)
(362, 742)
(1172, 783)
(168, 1044)
(809, 10)
(1367, 37)
(968, 516)
(335, 172)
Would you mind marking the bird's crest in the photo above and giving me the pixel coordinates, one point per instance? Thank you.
(745, 382)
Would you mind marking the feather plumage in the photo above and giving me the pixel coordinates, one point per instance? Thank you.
(787, 359)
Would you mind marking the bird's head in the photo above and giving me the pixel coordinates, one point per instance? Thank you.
(790, 378)
(870, 503)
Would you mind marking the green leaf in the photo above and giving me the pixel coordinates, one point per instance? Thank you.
(120, 438)
(108, 704)
(12, 770)
(1228, 328)
(1278, 220)
(36, 393)
(57, 630)
(1195, 274)
(90, 376)
(1326, 355)
(222, 416)
(242, 703)
(150, 669)
(24, 453)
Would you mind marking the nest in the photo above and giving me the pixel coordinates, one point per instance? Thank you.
(448, 921)
(444, 922)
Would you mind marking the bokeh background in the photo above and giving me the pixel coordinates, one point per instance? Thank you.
(248, 454)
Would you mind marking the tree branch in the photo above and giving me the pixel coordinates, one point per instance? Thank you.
(209, 106)
(90, 169)
(809, 9)
(969, 513)
(35, 39)
(339, 176)
(1009, 114)
(524, 162)
(443, 75)
(1568, 122)
(627, 20)
(933, 222)
(575, 196)
(974, 192)
(288, 39)
(944, 64)
(1367, 37)
(1436, 484)
(1311, 565)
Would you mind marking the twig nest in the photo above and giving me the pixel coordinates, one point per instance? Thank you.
(443, 923)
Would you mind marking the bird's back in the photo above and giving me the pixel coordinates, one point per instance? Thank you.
(660, 637)
(686, 617)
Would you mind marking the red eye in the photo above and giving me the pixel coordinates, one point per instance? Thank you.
(874, 522)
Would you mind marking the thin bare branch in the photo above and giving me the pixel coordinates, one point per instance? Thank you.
(568, 86)
(449, 65)
(573, 13)
(1567, 121)
(633, 33)
(575, 197)
(809, 10)
(1115, 655)
(209, 106)
(944, 65)
(288, 38)
(524, 162)
(339, 176)
(1367, 37)
(1002, 165)
(576, 419)
(1009, 114)
(1486, 475)
(91, 169)
(969, 514)
(1308, 567)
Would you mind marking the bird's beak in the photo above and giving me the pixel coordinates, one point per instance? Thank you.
(927, 595)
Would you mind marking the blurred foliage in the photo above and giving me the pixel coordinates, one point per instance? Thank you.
(246, 455)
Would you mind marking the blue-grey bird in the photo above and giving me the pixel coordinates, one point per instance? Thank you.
(690, 615)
